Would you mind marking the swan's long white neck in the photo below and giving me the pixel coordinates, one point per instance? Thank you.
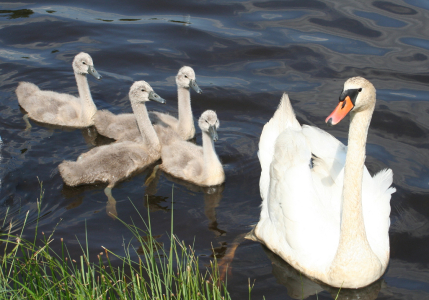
(146, 129)
(354, 252)
(88, 107)
(212, 165)
(186, 119)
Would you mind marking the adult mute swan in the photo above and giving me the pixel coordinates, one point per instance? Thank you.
(196, 164)
(329, 221)
(57, 108)
(117, 161)
(123, 127)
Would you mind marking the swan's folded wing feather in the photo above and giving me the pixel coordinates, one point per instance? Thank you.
(330, 152)
(376, 195)
(295, 209)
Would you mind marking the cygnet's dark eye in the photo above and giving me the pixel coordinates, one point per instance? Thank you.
(84, 63)
(143, 90)
(186, 76)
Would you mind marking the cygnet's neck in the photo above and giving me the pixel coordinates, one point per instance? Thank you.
(186, 119)
(213, 171)
(88, 107)
(147, 131)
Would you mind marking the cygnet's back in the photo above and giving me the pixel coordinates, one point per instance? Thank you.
(199, 165)
(59, 108)
(123, 127)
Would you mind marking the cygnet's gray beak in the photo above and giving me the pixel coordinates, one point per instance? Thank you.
(155, 97)
(93, 72)
(193, 84)
(213, 133)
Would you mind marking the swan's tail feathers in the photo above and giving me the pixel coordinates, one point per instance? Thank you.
(283, 118)
(25, 90)
(383, 180)
(71, 172)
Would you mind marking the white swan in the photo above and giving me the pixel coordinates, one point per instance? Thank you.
(57, 108)
(196, 164)
(118, 161)
(123, 127)
(329, 221)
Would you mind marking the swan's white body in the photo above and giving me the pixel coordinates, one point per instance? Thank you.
(196, 164)
(123, 127)
(58, 108)
(329, 221)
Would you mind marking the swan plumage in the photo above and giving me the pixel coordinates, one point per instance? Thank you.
(330, 218)
(123, 127)
(58, 108)
(196, 164)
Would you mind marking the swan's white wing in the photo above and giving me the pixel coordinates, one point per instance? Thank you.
(330, 152)
(376, 191)
(297, 224)
(283, 118)
(376, 194)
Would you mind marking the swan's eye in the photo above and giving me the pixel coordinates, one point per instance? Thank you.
(143, 90)
(84, 63)
(360, 90)
(186, 76)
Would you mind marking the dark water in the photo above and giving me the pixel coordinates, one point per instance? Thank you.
(245, 54)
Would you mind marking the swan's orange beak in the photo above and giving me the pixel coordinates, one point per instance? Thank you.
(340, 111)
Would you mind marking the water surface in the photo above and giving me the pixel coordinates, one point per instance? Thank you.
(245, 55)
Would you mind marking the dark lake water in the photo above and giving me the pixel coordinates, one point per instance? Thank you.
(245, 55)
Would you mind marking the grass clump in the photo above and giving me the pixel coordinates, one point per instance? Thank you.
(32, 270)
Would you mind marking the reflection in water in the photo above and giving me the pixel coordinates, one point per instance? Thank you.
(90, 135)
(219, 252)
(411, 222)
(212, 197)
(75, 203)
(15, 14)
(152, 202)
(148, 242)
(301, 287)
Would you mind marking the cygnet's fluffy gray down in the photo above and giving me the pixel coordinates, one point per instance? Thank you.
(199, 165)
(123, 127)
(108, 163)
(117, 161)
(62, 109)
